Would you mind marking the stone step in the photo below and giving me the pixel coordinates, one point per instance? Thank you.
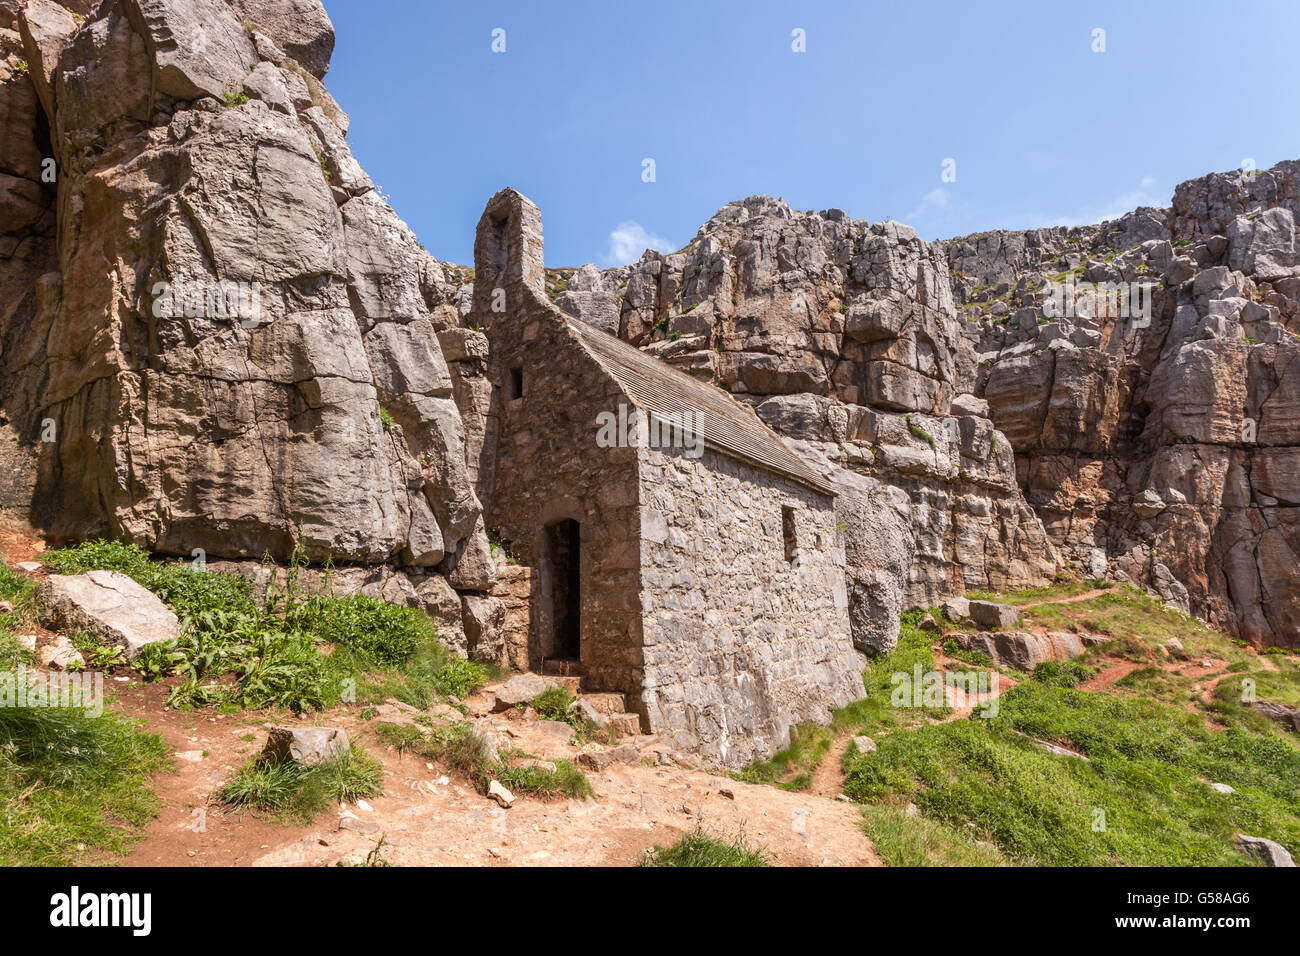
(628, 725)
(606, 704)
(559, 666)
(572, 684)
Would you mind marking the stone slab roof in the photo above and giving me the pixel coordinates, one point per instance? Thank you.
(724, 424)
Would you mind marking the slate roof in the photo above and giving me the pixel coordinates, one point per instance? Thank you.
(726, 426)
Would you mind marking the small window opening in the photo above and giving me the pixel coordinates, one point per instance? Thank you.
(791, 540)
(515, 386)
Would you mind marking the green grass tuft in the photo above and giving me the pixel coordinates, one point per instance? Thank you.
(699, 848)
(295, 792)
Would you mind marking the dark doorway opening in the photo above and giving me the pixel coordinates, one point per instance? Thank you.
(564, 545)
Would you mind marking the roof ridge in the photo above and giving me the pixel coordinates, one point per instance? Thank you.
(730, 428)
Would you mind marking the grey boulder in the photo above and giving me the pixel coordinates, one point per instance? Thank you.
(112, 606)
(992, 615)
(307, 745)
(1270, 853)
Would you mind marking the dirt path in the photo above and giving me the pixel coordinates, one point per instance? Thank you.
(427, 819)
(828, 778)
(1108, 675)
(1072, 599)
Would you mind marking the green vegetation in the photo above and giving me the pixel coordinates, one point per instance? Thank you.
(294, 792)
(556, 703)
(965, 655)
(1062, 673)
(386, 418)
(792, 768)
(463, 752)
(294, 650)
(20, 593)
(68, 780)
(904, 840)
(919, 432)
(1142, 798)
(984, 792)
(698, 848)
(235, 99)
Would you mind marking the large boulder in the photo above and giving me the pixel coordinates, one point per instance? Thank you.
(1266, 851)
(306, 745)
(519, 689)
(111, 605)
(1023, 650)
(990, 614)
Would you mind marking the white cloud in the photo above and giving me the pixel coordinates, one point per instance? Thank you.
(629, 240)
(1114, 208)
(933, 201)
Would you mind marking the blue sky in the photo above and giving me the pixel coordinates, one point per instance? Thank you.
(1042, 130)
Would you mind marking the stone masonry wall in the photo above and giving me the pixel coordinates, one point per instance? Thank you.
(546, 464)
(740, 643)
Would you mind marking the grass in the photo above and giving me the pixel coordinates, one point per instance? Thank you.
(463, 752)
(699, 848)
(555, 703)
(919, 432)
(294, 792)
(902, 840)
(300, 652)
(985, 793)
(792, 768)
(1062, 673)
(1056, 592)
(19, 592)
(67, 780)
(1148, 772)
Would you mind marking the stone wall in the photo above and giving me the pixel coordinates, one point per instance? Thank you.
(741, 644)
(513, 588)
(546, 465)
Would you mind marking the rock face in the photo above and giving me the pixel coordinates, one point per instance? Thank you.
(111, 605)
(1145, 372)
(1119, 397)
(213, 332)
(844, 336)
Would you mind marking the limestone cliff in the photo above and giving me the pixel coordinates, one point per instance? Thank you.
(216, 333)
(844, 336)
(1156, 445)
(1160, 447)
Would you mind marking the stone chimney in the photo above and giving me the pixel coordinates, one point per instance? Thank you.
(507, 254)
